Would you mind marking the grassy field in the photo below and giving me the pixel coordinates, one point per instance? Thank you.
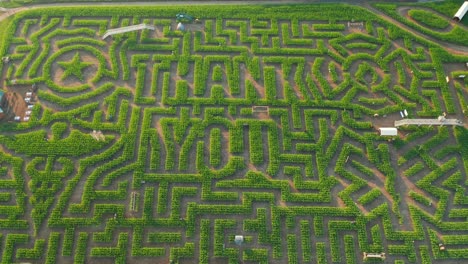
(448, 8)
(165, 146)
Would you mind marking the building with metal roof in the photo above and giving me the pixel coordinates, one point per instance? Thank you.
(388, 131)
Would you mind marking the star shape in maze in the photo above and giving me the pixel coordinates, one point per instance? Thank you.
(74, 67)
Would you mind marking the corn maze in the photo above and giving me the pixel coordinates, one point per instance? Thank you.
(166, 146)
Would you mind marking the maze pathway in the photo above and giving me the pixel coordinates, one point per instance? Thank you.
(252, 137)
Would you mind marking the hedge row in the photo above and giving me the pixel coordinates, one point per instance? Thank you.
(452, 36)
(428, 19)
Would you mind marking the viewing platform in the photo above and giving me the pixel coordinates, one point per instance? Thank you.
(440, 121)
(126, 29)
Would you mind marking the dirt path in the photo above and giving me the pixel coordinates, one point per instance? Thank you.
(10, 12)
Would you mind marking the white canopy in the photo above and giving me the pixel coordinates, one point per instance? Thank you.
(238, 240)
(461, 12)
(388, 131)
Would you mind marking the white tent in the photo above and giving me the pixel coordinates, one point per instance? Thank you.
(461, 12)
(239, 240)
(388, 131)
(180, 27)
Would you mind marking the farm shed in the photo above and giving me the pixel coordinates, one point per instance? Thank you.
(388, 131)
(461, 12)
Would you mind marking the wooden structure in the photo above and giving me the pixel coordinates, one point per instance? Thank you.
(440, 121)
(133, 202)
(370, 256)
(260, 109)
(121, 30)
(356, 25)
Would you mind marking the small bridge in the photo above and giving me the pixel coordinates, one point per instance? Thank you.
(121, 30)
(441, 121)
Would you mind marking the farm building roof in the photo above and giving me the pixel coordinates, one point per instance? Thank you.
(388, 131)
